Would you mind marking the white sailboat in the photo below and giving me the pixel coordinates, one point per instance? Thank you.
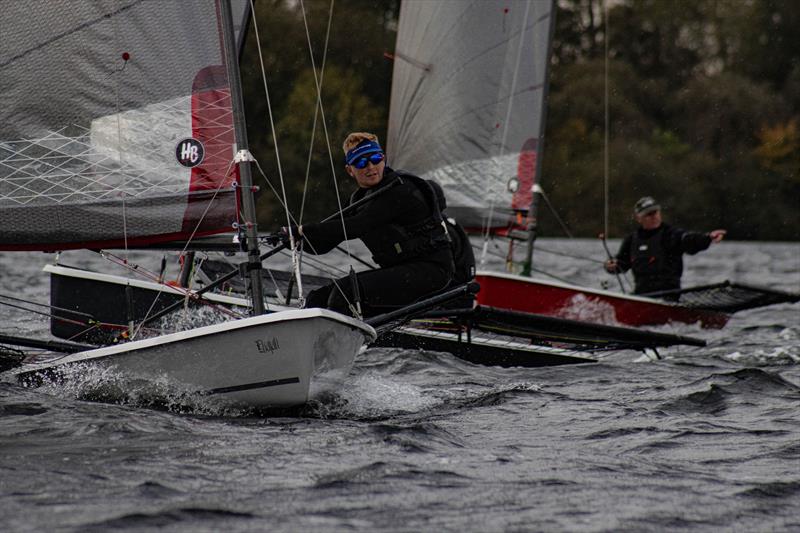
(122, 124)
(80, 296)
(279, 359)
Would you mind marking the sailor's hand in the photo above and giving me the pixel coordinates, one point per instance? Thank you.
(278, 237)
(611, 266)
(717, 235)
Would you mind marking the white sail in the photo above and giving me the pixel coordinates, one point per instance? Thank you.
(95, 100)
(467, 100)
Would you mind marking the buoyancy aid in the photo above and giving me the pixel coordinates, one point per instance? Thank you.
(463, 257)
(396, 243)
(655, 267)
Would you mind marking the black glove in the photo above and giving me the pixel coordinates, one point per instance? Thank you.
(279, 237)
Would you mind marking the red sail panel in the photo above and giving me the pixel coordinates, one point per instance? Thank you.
(526, 176)
(212, 126)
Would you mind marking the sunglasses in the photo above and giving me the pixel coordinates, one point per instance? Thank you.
(375, 158)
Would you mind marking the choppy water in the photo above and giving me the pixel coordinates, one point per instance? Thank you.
(707, 439)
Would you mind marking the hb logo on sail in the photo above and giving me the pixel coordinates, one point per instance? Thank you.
(189, 152)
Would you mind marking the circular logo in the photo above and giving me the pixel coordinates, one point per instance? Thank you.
(513, 184)
(189, 152)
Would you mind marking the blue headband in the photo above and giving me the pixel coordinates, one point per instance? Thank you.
(364, 147)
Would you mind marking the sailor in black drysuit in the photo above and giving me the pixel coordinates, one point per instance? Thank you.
(655, 250)
(403, 229)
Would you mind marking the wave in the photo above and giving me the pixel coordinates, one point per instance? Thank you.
(724, 388)
(97, 384)
(22, 409)
(774, 489)
(371, 473)
(170, 517)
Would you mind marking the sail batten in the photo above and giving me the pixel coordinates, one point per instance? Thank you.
(476, 112)
(115, 123)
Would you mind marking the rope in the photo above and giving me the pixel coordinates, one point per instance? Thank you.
(292, 240)
(555, 214)
(350, 257)
(325, 129)
(325, 126)
(330, 152)
(30, 302)
(317, 107)
(605, 105)
(118, 109)
(89, 321)
(545, 273)
(272, 125)
(188, 293)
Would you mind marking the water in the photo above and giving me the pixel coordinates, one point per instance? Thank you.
(707, 439)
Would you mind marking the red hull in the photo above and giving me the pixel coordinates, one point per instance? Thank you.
(507, 291)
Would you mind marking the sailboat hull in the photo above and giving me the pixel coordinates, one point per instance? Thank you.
(276, 360)
(530, 295)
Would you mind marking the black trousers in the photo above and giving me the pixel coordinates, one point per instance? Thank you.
(387, 288)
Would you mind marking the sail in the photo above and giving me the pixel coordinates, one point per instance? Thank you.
(467, 102)
(115, 123)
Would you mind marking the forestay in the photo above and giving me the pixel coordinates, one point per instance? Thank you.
(467, 101)
(115, 123)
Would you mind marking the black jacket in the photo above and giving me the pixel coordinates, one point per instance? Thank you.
(399, 226)
(656, 256)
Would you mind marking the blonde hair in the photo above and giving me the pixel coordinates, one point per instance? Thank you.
(355, 138)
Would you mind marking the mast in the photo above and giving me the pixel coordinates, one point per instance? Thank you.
(243, 159)
(533, 213)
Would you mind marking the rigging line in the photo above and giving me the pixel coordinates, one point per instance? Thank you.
(90, 322)
(188, 294)
(278, 293)
(117, 107)
(571, 256)
(208, 207)
(334, 281)
(272, 124)
(154, 278)
(30, 302)
(325, 129)
(317, 106)
(93, 327)
(34, 311)
(274, 190)
(555, 214)
(323, 266)
(502, 255)
(330, 159)
(350, 256)
(336, 284)
(507, 120)
(605, 105)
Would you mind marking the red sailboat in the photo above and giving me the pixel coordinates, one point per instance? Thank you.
(469, 112)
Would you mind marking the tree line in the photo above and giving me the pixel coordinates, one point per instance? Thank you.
(703, 109)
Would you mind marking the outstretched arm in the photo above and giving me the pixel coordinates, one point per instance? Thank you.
(717, 235)
(691, 242)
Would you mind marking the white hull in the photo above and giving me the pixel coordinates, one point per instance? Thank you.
(275, 360)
